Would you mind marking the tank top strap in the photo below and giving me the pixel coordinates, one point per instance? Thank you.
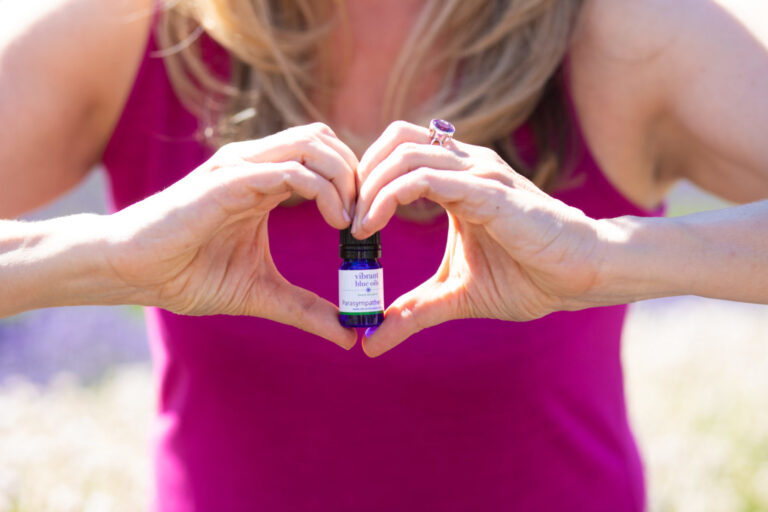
(156, 140)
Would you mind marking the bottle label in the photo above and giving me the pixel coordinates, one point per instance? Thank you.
(361, 292)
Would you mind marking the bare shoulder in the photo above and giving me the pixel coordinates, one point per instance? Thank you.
(628, 29)
(66, 66)
(83, 42)
(623, 48)
(634, 61)
(614, 68)
(639, 30)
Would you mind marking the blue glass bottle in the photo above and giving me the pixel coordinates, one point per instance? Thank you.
(361, 281)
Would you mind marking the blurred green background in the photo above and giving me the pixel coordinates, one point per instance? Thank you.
(76, 398)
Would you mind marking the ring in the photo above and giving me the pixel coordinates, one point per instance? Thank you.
(440, 131)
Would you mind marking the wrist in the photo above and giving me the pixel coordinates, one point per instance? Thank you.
(57, 262)
(718, 254)
(91, 277)
(637, 257)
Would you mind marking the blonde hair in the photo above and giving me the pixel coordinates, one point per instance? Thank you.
(497, 58)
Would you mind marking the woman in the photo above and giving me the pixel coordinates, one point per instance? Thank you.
(467, 415)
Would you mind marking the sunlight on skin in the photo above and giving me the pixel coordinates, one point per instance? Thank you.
(753, 14)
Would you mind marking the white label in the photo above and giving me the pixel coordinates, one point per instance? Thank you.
(361, 291)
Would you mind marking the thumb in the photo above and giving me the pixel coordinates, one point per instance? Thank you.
(429, 304)
(292, 305)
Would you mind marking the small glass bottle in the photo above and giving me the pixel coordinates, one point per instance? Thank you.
(361, 281)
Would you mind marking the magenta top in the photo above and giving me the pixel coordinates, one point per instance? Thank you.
(470, 415)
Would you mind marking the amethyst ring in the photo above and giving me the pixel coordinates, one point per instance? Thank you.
(440, 131)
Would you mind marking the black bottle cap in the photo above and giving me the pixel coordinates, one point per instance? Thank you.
(350, 248)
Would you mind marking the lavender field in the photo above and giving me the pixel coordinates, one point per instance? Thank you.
(76, 399)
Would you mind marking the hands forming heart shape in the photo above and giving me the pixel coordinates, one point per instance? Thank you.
(200, 247)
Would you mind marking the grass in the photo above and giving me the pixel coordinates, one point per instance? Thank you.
(696, 381)
(697, 387)
(73, 447)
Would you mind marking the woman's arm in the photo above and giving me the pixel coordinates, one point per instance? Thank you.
(56, 262)
(515, 253)
(713, 109)
(675, 90)
(66, 68)
(199, 247)
(691, 79)
(664, 90)
(721, 254)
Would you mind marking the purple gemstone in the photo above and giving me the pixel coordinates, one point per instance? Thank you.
(443, 126)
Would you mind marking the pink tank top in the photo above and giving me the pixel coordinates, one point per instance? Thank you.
(470, 415)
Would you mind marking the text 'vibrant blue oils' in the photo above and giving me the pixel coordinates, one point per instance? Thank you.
(361, 281)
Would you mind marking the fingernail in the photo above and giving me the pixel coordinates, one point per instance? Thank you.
(346, 216)
(369, 331)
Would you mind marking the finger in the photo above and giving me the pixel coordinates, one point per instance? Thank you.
(268, 179)
(394, 135)
(329, 137)
(403, 159)
(429, 304)
(469, 197)
(325, 161)
(293, 305)
(320, 151)
(321, 158)
(342, 149)
(324, 132)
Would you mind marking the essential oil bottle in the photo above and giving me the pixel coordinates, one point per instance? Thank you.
(361, 281)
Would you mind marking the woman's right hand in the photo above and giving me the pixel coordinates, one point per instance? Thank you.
(200, 247)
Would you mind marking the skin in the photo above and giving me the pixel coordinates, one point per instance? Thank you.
(659, 99)
(514, 253)
(199, 247)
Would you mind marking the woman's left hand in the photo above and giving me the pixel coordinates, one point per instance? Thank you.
(512, 253)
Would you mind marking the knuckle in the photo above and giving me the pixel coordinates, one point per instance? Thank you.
(495, 157)
(397, 127)
(303, 146)
(304, 307)
(229, 150)
(489, 154)
(291, 169)
(496, 194)
(485, 153)
(491, 174)
(422, 175)
(319, 128)
(407, 151)
(414, 317)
